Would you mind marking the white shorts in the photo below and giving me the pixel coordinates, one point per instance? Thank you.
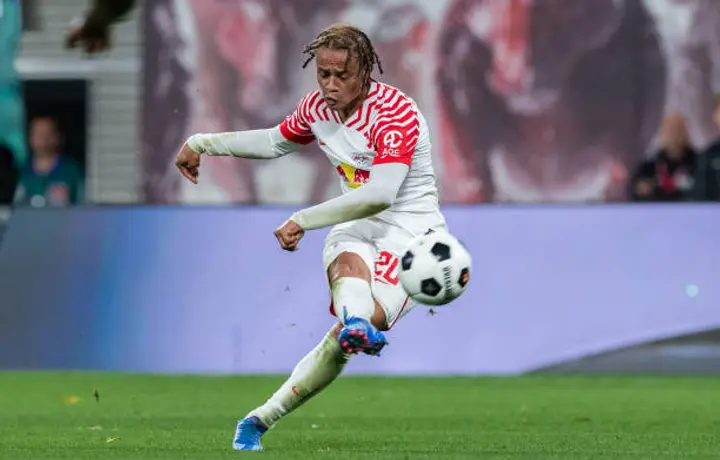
(380, 243)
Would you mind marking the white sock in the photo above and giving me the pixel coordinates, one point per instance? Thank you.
(313, 373)
(352, 298)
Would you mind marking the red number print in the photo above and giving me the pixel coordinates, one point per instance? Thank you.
(386, 268)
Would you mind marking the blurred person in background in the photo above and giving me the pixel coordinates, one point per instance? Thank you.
(708, 167)
(669, 174)
(12, 111)
(690, 35)
(49, 178)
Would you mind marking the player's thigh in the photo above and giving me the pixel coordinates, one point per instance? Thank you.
(393, 300)
(348, 263)
(349, 252)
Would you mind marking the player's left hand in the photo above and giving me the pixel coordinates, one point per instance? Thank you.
(289, 235)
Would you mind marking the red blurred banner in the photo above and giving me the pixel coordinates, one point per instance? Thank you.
(528, 100)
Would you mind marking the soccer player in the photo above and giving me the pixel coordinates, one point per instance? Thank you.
(379, 143)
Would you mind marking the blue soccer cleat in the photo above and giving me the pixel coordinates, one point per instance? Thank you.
(359, 335)
(248, 433)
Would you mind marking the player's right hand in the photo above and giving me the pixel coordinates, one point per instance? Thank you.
(188, 162)
(289, 235)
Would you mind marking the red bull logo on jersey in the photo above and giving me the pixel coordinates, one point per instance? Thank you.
(352, 176)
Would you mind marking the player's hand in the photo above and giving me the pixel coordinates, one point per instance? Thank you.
(91, 33)
(289, 235)
(188, 162)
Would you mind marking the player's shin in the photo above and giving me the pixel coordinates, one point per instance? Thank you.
(313, 373)
(352, 298)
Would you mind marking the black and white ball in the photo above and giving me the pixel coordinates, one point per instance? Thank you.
(435, 268)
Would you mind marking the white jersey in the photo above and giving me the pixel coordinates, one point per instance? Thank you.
(387, 128)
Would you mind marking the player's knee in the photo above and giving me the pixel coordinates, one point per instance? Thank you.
(348, 265)
(351, 265)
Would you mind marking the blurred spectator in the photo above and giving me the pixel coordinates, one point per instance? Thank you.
(49, 178)
(669, 174)
(708, 167)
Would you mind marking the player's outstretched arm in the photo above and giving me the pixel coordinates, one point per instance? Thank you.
(370, 199)
(289, 136)
(261, 144)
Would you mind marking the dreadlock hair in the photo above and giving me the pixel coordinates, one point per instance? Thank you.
(352, 39)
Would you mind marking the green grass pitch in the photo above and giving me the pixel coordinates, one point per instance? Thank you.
(55, 416)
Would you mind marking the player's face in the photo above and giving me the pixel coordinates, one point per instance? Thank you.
(339, 79)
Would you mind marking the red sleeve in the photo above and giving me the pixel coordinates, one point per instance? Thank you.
(395, 133)
(296, 126)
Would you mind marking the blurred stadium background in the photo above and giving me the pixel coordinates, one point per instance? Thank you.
(576, 145)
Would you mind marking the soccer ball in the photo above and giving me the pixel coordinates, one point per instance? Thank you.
(435, 268)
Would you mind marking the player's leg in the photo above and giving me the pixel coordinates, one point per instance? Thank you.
(351, 285)
(315, 371)
(324, 363)
(347, 254)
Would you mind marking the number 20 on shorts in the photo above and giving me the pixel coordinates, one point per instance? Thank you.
(386, 268)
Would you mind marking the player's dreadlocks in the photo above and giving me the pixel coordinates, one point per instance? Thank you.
(352, 39)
